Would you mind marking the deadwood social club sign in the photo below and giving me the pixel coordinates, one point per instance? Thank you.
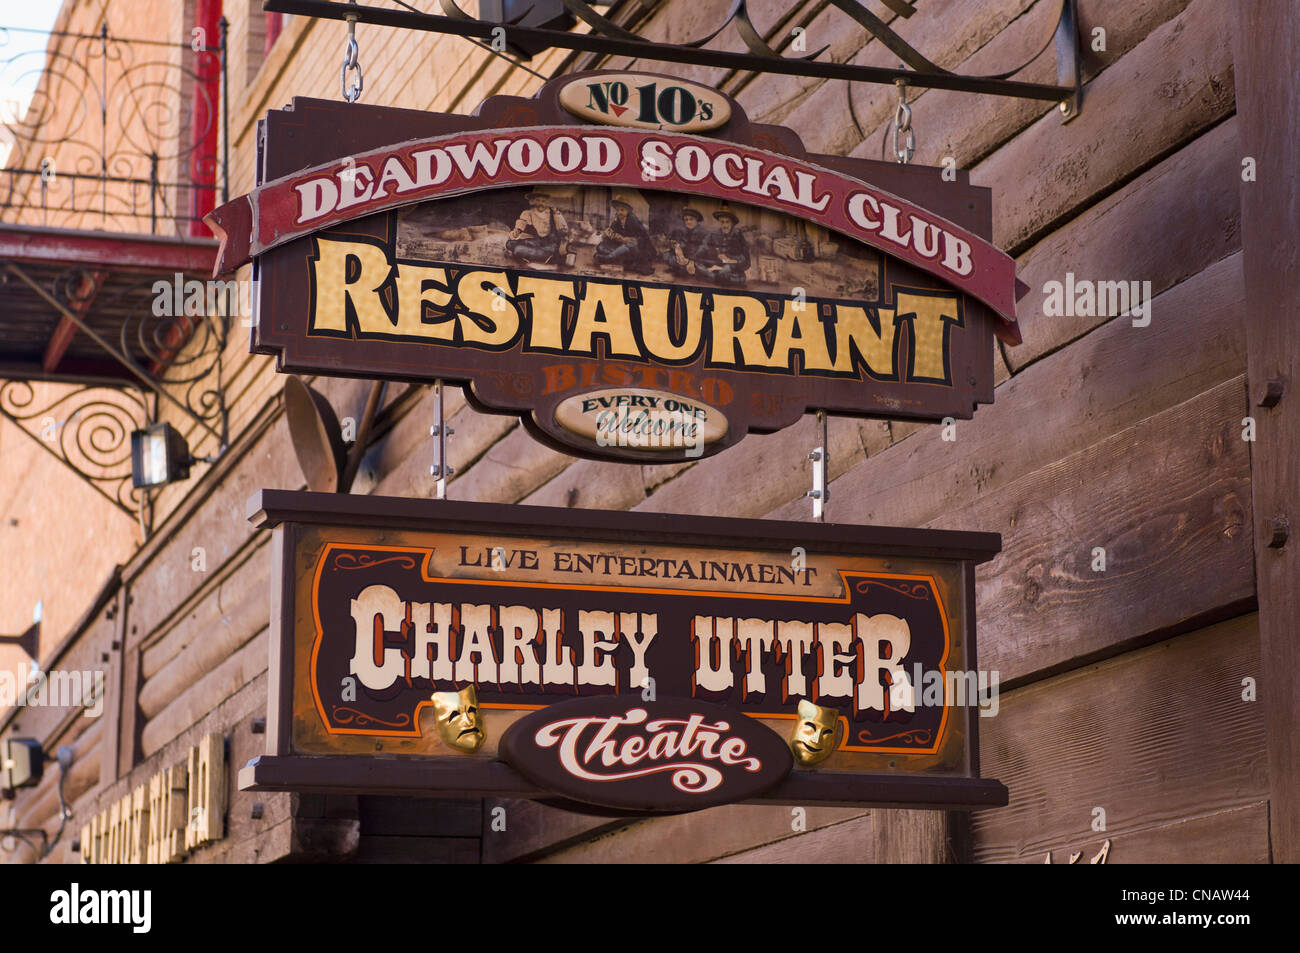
(625, 261)
(631, 663)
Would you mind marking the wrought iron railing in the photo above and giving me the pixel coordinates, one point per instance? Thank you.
(120, 135)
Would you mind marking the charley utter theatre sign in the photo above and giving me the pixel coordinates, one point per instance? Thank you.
(632, 662)
(644, 293)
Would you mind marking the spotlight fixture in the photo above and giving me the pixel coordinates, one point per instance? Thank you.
(21, 764)
(159, 455)
(316, 435)
(539, 14)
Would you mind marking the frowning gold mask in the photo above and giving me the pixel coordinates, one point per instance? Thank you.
(459, 723)
(813, 737)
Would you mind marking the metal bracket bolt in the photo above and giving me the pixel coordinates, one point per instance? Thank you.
(1272, 394)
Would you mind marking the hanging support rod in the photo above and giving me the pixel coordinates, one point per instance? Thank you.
(1069, 68)
(621, 43)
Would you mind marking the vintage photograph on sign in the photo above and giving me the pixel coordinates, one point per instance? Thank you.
(658, 237)
(426, 629)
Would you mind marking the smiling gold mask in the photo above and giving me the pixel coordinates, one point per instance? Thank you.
(459, 723)
(813, 737)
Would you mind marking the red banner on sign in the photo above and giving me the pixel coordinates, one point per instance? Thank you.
(443, 166)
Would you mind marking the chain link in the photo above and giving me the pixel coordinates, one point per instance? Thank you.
(351, 93)
(904, 136)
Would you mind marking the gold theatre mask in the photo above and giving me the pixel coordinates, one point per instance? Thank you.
(813, 737)
(459, 723)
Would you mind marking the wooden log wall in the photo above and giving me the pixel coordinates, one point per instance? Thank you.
(1122, 689)
(1102, 435)
(1269, 77)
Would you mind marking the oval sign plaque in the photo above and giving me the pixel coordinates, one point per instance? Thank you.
(641, 419)
(669, 755)
(641, 101)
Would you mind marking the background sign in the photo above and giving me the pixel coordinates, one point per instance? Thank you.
(541, 260)
(385, 602)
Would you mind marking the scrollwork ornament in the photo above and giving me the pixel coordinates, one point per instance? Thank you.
(87, 428)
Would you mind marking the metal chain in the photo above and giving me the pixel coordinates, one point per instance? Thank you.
(351, 93)
(904, 136)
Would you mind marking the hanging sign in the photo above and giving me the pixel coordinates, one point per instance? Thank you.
(635, 290)
(443, 644)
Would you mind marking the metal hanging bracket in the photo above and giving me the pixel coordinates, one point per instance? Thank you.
(820, 457)
(439, 431)
(353, 92)
(1069, 69)
(617, 41)
(904, 134)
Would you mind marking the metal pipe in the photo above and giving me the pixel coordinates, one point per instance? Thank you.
(225, 110)
(203, 122)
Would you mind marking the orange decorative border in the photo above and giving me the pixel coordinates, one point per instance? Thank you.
(424, 573)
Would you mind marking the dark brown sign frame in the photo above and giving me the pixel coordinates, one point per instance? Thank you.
(290, 514)
(303, 149)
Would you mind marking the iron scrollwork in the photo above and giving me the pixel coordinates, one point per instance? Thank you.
(88, 428)
(183, 351)
(108, 140)
(120, 135)
(177, 356)
(605, 38)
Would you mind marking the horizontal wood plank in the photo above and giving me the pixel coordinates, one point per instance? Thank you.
(1235, 836)
(532, 829)
(512, 468)
(849, 842)
(950, 124)
(1151, 737)
(1168, 500)
(207, 694)
(247, 613)
(238, 578)
(1193, 193)
(699, 836)
(1173, 85)
(951, 35)
(946, 34)
(592, 484)
(1107, 381)
(762, 472)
